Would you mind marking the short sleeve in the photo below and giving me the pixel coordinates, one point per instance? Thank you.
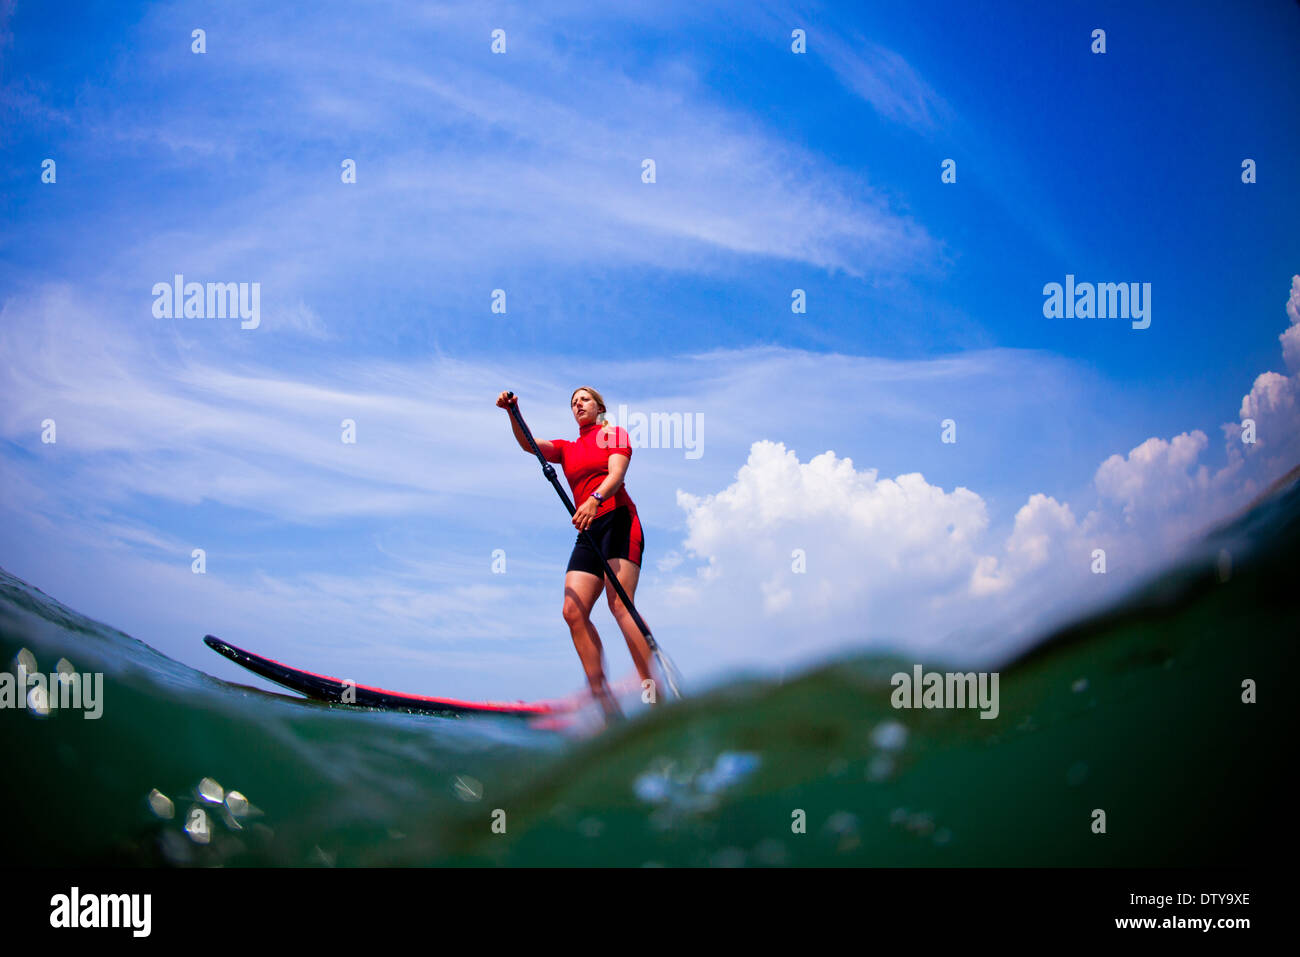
(558, 454)
(618, 443)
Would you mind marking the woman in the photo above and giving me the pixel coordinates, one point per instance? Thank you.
(595, 465)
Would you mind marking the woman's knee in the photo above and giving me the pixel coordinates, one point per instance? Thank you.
(573, 612)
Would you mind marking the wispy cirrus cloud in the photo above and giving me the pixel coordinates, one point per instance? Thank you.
(884, 79)
(466, 158)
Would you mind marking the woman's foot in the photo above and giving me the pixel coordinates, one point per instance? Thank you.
(608, 702)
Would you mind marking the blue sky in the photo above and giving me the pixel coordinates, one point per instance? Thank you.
(522, 171)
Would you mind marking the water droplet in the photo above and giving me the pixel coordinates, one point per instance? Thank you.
(161, 805)
(651, 787)
(686, 788)
(728, 769)
(1079, 685)
(238, 804)
(26, 659)
(468, 789)
(889, 735)
(210, 791)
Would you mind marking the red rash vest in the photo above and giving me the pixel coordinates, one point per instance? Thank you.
(586, 463)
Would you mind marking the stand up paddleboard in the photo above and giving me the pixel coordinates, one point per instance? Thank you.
(324, 688)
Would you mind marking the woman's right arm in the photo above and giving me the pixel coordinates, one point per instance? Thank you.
(547, 448)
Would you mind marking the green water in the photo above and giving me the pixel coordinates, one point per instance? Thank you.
(1137, 712)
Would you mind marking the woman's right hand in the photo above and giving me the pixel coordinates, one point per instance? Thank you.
(504, 400)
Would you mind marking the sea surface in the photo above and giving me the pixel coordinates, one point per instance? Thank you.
(1136, 713)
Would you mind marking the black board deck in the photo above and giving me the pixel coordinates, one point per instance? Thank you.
(324, 688)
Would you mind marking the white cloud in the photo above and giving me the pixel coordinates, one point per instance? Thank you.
(467, 163)
(1291, 337)
(875, 552)
(904, 564)
(1154, 476)
(1273, 402)
(1044, 529)
(883, 78)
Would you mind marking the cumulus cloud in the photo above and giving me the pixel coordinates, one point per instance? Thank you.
(1271, 403)
(1291, 337)
(1155, 476)
(812, 550)
(1265, 442)
(1044, 531)
(799, 557)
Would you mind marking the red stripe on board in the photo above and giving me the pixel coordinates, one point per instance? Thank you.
(534, 708)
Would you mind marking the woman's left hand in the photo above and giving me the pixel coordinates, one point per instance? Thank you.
(585, 514)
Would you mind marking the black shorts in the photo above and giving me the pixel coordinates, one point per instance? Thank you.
(617, 534)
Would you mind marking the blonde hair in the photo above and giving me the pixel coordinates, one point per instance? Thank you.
(600, 401)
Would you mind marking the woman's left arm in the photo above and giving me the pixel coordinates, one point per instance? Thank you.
(617, 469)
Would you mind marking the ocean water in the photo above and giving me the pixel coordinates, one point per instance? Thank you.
(1136, 712)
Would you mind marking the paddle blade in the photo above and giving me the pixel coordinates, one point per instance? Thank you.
(671, 674)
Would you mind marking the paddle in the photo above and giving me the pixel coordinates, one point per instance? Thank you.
(670, 672)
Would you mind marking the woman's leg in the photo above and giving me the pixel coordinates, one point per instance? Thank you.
(628, 574)
(581, 589)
